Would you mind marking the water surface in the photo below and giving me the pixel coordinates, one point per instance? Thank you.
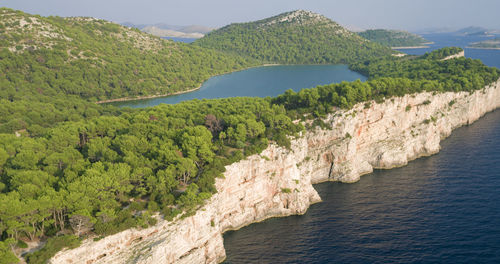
(440, 209)
(185, 40)
(488, 57)
(259, 82)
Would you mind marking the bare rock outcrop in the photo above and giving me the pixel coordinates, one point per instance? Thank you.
(454, 56)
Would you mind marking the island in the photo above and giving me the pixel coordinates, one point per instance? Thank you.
(486, 44)
(396, 39)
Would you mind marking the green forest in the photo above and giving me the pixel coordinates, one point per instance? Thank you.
(305, 39)
(98, 60)
(71, 169)
(53, 69)
(393, 38)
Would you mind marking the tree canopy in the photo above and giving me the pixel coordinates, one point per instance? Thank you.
(298, 37)
(393, 38)
(80, 168)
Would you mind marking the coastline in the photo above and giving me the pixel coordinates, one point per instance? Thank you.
(384, 136)
(481, 48)
(126, 99)
(410, 47)
(421, 46)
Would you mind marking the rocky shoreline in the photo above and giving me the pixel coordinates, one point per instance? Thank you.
(278, 182)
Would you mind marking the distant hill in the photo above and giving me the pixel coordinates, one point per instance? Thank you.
(468, 31)
(435, 30)
(473, 31)
(298, 37)
(153, 30)
(487, 44)
(393, 38)
(166, 30)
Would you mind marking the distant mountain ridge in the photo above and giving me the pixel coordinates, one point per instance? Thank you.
(487, 44)
(166, 30)
(297, 37)
(467, 31)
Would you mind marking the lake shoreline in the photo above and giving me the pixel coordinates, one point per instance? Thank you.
(127, 99)
(410, 47)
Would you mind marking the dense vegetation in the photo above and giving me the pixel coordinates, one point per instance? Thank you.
(96, 59)
(82, 169)
(441, 54)
(393, 38)
(79, 176)
(52, 68)
(392, 77)
(53, 245)
(298, 37)
(460, 74)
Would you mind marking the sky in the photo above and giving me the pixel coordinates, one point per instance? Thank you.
(392, 14)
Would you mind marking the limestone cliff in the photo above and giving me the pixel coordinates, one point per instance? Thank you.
(278, 182)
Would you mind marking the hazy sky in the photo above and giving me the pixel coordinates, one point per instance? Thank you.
(397, 14)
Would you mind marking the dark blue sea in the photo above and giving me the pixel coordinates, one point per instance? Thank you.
(440, 209)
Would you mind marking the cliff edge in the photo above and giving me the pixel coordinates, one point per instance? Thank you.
(278, 182)
(455, 56)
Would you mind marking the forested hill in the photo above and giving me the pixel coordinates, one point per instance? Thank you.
(53, 69)
(393, 38)
(298, 37)
(95, 59)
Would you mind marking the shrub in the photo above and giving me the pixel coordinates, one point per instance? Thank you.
(21, 244)
(286, 190)
(54, 245)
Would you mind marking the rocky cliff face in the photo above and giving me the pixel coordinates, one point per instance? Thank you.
(278, 182)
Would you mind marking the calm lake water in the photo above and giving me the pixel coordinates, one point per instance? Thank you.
(440, 209)
(260, 81)
(185, 40)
